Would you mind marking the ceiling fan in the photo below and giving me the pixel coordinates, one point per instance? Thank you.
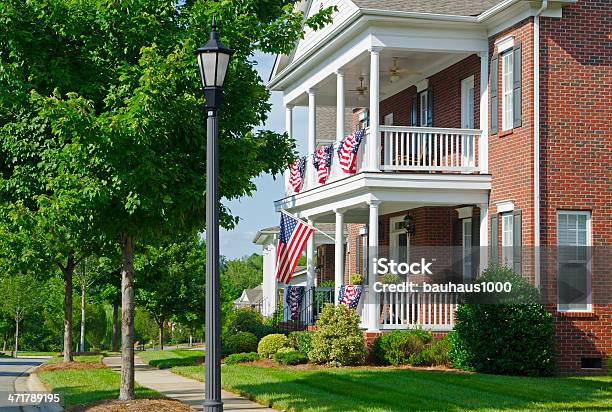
(361, 90)
(395, 71)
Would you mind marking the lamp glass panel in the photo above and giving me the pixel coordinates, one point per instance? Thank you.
(222, 63)
(208, 61)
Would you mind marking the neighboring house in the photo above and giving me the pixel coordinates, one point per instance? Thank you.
(487, 132)
(250, 298)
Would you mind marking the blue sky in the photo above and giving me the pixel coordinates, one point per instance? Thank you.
(258, 211)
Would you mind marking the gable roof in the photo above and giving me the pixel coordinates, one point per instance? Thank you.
(452, 7)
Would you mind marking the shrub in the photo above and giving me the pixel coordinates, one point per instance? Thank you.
(390, 278)
(301, 341)
(397, 347)
(338, 341)
(241, 358)
(247, 320)
(356, 279)
(610, 365)
(290, 357)
(434, 353)
(241, 342)
(504, 338)
(270, 344)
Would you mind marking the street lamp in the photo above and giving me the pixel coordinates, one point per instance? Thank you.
(213, 60)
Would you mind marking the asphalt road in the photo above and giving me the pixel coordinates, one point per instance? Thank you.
(10, 370)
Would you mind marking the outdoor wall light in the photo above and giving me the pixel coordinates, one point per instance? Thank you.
(409, 225)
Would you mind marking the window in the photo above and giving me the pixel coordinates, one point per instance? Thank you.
(466, 225)
(467, 103)
(399, 240)
(507, 239)
(423, 108)
(388, 119)
(573, 261)
(507, 91)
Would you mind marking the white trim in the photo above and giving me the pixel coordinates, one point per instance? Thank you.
(465, 212)
(504, 44)
(589, 243)
(422, 85)
(504, 206)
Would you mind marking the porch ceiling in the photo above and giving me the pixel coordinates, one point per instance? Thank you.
(415, 66)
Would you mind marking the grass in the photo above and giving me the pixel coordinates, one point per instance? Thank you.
(165, 359)
(87, 385)
(32, 353)
(389, 389)
(79, 358)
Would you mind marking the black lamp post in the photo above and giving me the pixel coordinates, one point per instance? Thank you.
(213, 59)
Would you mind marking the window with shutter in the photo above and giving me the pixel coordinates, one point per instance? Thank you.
(507, 90)
(414, 113)
(494, 239)
(573, 260)
(517, 241)
(517, 87)
(507, 239)
(494, 114)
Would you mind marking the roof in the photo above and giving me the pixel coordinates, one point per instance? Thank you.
(252, 296)
(454, 7)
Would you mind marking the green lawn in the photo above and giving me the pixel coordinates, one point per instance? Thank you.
(164, 359)
(388, 389)
(32, 353)
(78, 358)
(88, 385)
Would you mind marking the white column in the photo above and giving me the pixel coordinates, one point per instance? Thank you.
(312, 136)
(373, 308)
(374, 137)
(339, 255)
(484, 236)
(310, 268)
(289, 120)
(339, 105)
(483, 142)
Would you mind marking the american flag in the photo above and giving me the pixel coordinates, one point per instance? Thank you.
(296, 177)
(347, 152)
(349, 295)
(322, 161)
(291, 241)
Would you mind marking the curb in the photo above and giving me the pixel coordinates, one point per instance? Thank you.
(32, 383)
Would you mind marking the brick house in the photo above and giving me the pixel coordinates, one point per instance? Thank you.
(487, 131)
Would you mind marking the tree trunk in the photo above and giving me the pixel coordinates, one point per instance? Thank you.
(190, 340)
(161, 334)
(82, 342)
(126, 392)
(68, 271)
(115, 340)
(16, 338)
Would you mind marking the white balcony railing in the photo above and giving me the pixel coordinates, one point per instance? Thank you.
(405, 149)
(404, 310)
(430, 149)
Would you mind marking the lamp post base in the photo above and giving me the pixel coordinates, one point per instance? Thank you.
(213, 406)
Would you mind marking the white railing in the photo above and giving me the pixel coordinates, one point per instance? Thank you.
(405, 310)
(430, 149)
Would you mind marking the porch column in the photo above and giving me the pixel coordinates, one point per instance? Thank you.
(374, 137)
(483, 142)
(339, 105)
(289, 120)
(312, 135)
(310, 268)
(484, 236)
(372, 302)
(339, 255)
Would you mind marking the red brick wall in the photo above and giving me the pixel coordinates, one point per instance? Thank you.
(400, 104)
(576, 154)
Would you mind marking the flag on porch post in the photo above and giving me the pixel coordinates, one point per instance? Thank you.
(322, 161)
(297, 172)
(349, 295)
(291, 241)
(347, 152)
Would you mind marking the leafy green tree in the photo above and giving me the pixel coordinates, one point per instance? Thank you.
(105, 116)
(243, 273)
(19, 294)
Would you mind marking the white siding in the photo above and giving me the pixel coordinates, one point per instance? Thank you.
(345, 9)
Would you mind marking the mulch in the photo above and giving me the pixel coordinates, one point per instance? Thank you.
(138, 405)
(50, 367)
(270, 363)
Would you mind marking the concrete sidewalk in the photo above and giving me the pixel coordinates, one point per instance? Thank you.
(183, 389)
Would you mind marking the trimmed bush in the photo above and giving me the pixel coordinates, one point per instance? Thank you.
(504, 338)
(290, 357)
(248, 320)
(356, 279)
(301, 341)
(270, 344)
(436, 353)
(241, 358)
(338, 341)
(241, 342)
(397, 347)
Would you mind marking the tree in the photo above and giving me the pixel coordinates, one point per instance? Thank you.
(116, 87)
(243, 273)
(19, 299)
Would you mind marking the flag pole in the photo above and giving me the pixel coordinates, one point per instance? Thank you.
(310, 226)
